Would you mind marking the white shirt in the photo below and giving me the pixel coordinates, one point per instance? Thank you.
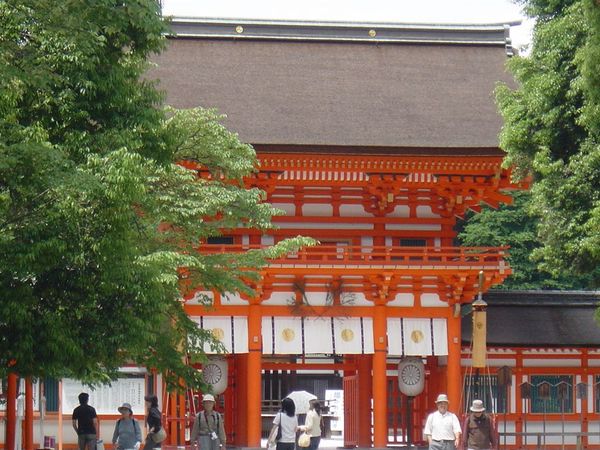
(442, 426)
(288, 427)
(312, 425)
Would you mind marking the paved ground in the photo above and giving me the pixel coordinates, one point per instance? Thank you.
(337, 442)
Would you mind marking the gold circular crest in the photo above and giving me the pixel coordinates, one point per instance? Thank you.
(347, 335)
(218, 333)
(417, 336)
(372, 33)
(239, 29)
(288, 334)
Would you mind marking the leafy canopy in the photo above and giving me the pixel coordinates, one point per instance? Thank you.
(96, 218)
(552, 130)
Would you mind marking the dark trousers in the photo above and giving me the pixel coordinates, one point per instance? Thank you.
(286, 446)
(314, 442)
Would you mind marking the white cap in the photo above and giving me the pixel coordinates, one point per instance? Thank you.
(208, 398)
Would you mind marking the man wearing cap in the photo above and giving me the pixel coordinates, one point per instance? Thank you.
(442, 428)
(479, 429)
(208, 431)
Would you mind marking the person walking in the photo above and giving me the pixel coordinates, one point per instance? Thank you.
(312, 424)
(478, 428)
(154, 423)
(208, 431)
(128, 433)
(442, 428)
(286, 424)
(85, 423)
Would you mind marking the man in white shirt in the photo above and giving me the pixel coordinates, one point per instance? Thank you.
(442, 428)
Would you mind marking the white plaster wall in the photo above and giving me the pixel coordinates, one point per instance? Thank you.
(289, 208)
(353, 211)
(495, 362)
(366, 241)
(317, 209)
(594, 427)
(432, 300)
(414, 226)
(565, 362)
(403, 299)
(267, 240)
(280, 298)
(400, 211)
(361, 300)
(510, 428)
(316, 298)
(551, 427)
(230, 298)
(425, 211)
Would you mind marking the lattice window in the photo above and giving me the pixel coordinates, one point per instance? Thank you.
(485, 388)
(552, 394)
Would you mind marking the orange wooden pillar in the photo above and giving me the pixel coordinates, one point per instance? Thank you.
(253, 376)
(173, 435)
(28, 432)
(363, 365)
(454, 379)
(379, 382)
(11, 411)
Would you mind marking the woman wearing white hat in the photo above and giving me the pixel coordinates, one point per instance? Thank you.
(128, 433)
(208, 431)
(442, 428)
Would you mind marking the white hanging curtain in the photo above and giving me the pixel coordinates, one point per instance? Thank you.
(232, 331)
(417, 337)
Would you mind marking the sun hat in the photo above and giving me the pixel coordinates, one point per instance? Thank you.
(477, 406)
(442, 398)
(126, 406)
(208, 398)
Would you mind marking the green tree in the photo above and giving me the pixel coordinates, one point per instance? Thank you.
(99, 225)
(552, 129)
(514, 226)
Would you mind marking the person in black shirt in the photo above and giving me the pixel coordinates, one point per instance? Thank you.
(153, 421)
(85, 423)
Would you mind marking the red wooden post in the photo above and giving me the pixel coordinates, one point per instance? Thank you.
(11, 411)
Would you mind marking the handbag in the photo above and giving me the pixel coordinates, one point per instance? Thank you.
(159, 436)
(304, 440)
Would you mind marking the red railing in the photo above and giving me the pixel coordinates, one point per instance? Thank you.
(364, 255)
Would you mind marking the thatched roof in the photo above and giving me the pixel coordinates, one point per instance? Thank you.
(406, 87)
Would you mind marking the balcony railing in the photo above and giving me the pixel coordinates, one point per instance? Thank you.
(379, 255)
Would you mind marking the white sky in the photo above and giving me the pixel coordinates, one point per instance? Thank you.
(367, 11)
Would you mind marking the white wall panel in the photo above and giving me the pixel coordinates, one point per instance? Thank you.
(432, 300)
(317, 210)
(400, 211)
(425, 211)
(354, 211)
(280, 298)
(289, 208)
(403, 299)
